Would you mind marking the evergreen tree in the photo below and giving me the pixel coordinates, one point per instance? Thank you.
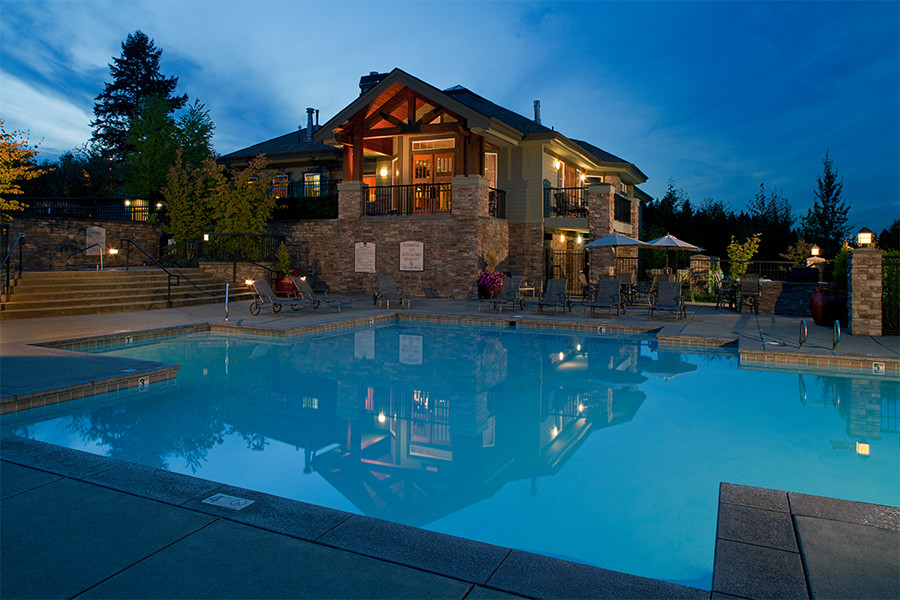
(770, 215)
(153, 145)
(135, 76)
(825, 224)
(195, 131)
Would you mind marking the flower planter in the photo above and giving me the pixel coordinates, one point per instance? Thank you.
(284, 287)
(828, 308)
(488, 291)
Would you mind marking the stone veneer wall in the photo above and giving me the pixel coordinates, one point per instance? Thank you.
(526, 250)
(864, 291)
(601, 204)
(785, 298)
(226, 271)
(456, 246)
(50, 241)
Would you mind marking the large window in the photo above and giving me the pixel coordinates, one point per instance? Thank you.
(490, 168)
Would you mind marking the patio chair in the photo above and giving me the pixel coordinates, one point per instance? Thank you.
(389, 291)
(555, 295)
(562, 203)
(307, 296)
(607, 296)
(587, 289)
(748, 290)
(668, 298)
(509, 292)
(264, 295)
(725, 292)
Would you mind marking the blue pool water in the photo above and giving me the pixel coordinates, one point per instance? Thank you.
(599, 449)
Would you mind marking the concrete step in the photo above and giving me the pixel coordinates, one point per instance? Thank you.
(53, 293)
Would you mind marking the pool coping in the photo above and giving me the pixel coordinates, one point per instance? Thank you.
(478, 563)
(767, 359)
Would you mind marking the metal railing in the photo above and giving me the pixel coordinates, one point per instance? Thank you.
(128, 242)
(497, 203)
(5, 265)
(69, 258)
(207, 247)
(414, 199)
(308, 201)
(565, 202)
(646, 266)
(253, 246)
(104, 209)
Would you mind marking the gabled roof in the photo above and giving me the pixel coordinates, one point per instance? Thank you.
(489, 109)
(604, 157)
(293, 143)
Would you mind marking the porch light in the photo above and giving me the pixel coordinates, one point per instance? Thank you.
(864, 237)
(555, 431)
(384, 171)
(556, 164)
(381, 417)
(583, 177)
(159, 205)
(562, 237)
(862, 448)
(579, 239)
(815, 250)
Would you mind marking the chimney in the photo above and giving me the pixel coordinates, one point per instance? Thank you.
(309, 123)
(367, 82)
(537, 112)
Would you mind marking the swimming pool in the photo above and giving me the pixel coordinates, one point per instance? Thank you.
(601, 449)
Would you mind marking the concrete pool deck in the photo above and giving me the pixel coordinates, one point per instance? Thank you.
(75, 524)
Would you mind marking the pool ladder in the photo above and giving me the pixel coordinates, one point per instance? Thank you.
(835, 334)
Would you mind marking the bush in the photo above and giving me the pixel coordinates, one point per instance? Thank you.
(890, 293)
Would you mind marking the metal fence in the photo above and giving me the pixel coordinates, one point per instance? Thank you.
(415, 199)
(228, 246)
(104, 209)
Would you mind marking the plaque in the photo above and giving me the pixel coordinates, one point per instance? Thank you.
(364, 258)
(412, 256)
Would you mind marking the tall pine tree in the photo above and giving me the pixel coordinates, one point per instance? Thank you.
(135, 76)
(825, 223)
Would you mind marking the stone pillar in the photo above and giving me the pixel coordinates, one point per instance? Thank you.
(864, 291)
(470, 196)
(350, 200)
(601, 202)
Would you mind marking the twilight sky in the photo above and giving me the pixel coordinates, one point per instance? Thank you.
(716, 96)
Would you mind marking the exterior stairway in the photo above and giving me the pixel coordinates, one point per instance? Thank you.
(58, 293)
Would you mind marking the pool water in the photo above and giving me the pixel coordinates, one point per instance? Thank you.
(606, 450)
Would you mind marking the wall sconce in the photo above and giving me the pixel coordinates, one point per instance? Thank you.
(159, 205)
(557, 164)
(579, 239)
(814, 251)
(583, 177)
(383, 171)
(128, 203)
(248, 282)
(864, 237)
(862, 448)
(562, 238)
(381, 418)
(113, 251)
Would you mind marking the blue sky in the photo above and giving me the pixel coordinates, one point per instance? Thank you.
(716, 96)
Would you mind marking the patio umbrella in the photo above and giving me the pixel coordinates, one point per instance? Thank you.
(670, 242)
(614, 240)
(667, 365)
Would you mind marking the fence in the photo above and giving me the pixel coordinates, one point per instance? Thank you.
(103, 209)
(224, 246)
(415, 199)
(698, 269)
(890, 294)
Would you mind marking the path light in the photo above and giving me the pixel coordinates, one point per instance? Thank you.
(814, 251)
(248, 282)
(864, 237)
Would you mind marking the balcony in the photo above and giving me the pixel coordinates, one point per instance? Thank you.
(404, 200)
(565, 202)
(299, 200)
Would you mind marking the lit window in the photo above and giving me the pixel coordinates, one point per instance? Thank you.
(490, 168)
(312, 183)
(279, 186)
(433, 144)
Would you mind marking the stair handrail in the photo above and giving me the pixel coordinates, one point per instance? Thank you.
(83, 250)
(156, 262)
(6, 262)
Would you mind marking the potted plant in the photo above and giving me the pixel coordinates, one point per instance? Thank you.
(828, 302)
(489, 283)
(283, 285)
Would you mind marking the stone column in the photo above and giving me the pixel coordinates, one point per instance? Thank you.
(601, 202)
(350, 200)
(470, 196)
(864, 291)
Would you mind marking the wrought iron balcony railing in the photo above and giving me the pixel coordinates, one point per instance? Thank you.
(415, 199)
(565, 202)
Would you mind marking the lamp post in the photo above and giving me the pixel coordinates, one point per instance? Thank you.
(815, 250)
(865, 237)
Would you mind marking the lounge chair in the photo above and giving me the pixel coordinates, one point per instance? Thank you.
(509, 292)
(607, 296)
(264, 295)
(555, 295)
(668, 298)
(587, 289)
(307, 296)
(749, 290)
(389, 291)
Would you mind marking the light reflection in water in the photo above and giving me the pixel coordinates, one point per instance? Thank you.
(600, 449)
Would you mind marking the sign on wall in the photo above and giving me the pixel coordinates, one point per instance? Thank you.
(364, 258)
(410, 349)
(412, 256)
(95, 235)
